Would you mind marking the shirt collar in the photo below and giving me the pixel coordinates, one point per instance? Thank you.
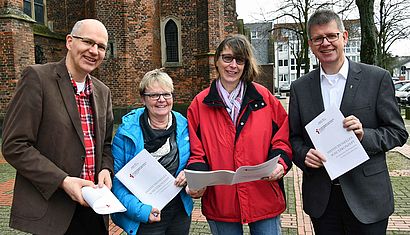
(343, 72)
(88, 85)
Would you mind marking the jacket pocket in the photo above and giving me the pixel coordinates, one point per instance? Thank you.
(28, 203)
(362, 107)
(374, 169)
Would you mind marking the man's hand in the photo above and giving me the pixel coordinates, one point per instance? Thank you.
(195, 193)
(314, 159)
(72, 186)
(352, 123)
(104, 177)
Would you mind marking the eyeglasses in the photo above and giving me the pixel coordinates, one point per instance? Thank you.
(156, 96)
(228, 58)
(89, 42)
(331, 37)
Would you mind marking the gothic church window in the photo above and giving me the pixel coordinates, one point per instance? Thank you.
(171, 42)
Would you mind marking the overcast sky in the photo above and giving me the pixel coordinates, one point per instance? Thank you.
(260, 10)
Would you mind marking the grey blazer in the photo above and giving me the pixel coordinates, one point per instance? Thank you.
(369, 95)
(43, 140)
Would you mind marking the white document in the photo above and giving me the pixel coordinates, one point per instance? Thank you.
(102, 200)
(200, 179)
(341, 148)
(148, 180)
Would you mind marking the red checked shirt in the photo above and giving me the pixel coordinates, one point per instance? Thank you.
(85, 111)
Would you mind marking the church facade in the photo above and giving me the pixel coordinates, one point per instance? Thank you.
(180, 36)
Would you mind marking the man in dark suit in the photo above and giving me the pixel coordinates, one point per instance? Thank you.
(361, 200)
(57, 134)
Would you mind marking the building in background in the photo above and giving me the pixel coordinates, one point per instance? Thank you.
(260, 35)
(179, 35)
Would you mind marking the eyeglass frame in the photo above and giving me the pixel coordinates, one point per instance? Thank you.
(315, 41)
(91, 43)
(241, 61)
(152, 95)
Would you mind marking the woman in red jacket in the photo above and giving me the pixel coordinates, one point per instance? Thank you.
(237, 122)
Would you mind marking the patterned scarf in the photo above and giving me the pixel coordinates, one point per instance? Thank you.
(233, 101)
(156, 139)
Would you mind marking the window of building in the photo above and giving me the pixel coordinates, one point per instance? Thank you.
(292, 61)
(285, 62)
(282, 78)
(171, 42)
(111, 50)
(280, 62)
(353, 46)
(254, 34)
(35, 9)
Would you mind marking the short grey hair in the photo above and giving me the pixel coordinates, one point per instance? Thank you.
(155, 76)
(324, 16)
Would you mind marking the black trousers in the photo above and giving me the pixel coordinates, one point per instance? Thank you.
(86, 222)
(338, 219)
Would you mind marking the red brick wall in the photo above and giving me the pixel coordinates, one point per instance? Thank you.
(51, 48)
(266, 78)
(11, 3)
(134, 26)
(16, 52)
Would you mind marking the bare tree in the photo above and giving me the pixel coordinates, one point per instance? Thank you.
(296, 13)
(368, 32)
(393, 23)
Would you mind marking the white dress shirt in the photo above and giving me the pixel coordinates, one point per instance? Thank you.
(333, 85)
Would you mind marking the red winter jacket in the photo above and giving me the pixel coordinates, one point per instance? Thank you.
(261, 133)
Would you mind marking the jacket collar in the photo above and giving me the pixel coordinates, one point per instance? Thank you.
(213, 98)
(352, 85)
(66, 90)
(130, 123)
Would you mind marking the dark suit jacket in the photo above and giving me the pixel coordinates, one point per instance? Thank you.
(369, 95)
(43, 140)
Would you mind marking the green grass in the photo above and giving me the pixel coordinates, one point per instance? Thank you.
(396, 161)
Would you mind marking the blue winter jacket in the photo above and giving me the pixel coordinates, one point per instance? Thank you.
(128, 142)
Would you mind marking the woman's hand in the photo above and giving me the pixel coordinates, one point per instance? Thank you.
(180, 181)
(195, 193)
(276, 174)
(154, 216)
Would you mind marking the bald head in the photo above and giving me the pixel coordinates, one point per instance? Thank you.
(88, 23)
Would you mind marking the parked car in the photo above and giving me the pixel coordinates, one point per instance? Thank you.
(285, 87)
(400, 83)
(402, 93)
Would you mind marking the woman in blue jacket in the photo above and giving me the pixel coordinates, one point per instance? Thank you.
(164, 134)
